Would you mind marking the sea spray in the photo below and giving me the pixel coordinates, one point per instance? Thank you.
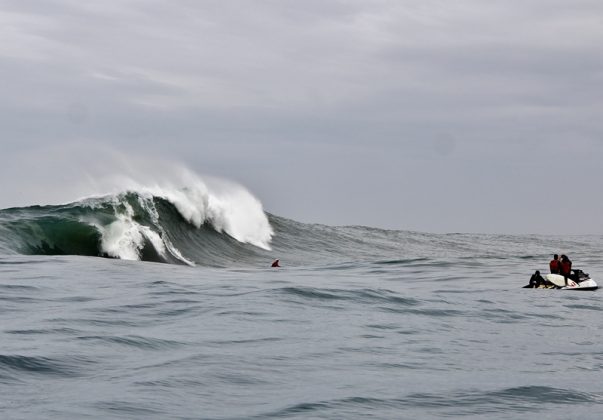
(227, 206)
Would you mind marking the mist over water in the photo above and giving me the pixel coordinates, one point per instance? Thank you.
(185, 319)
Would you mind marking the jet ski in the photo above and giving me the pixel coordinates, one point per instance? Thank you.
(577, 280)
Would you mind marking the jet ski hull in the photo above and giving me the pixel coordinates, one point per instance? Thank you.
(559, 281)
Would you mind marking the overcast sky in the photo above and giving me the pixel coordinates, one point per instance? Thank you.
(428, 115)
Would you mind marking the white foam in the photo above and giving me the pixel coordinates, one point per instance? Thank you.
(233, 211)
(227, 206)
(149, 206)
(124, 238)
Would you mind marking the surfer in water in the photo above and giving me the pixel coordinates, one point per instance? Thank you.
(275, 263)
(535, 281)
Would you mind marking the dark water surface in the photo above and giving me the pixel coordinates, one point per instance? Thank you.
(443, 330)
(187, 322)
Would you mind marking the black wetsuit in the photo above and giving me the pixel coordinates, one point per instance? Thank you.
(535, 281)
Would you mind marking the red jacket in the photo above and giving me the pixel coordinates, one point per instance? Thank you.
(566, 267)
(555, 266)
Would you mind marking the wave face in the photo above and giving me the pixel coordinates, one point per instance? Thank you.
(182, 226)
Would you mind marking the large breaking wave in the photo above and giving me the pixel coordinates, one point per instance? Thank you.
(189, 225)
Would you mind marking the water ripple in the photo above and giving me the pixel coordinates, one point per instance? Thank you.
(520, 399)
(69, 367)
(360, 296)
(145, 343)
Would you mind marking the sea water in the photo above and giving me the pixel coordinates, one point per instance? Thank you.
(358, 323)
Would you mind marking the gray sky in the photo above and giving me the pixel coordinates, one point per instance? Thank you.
(430, 115)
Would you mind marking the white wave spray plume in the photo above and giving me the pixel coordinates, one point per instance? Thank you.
(228, 207)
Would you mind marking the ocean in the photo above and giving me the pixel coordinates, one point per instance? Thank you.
(162, 304)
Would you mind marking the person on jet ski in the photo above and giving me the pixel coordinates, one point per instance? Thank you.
(555, 264)
(565, 267)
(535, 281)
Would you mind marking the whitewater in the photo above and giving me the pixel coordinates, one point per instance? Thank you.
(158, 301)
